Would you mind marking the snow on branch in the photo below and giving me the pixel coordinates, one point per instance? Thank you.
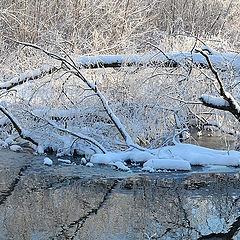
(214, 102)
(28, 76)
(22, 133)
(78, 135)
(226, 101)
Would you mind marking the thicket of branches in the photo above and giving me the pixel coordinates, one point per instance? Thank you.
(153, 104)
(115, 26)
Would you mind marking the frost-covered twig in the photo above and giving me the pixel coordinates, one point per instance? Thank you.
(222, 91)
(78, 135)
(70, 65)
(28, 76)
(226, 101)
(22, 133)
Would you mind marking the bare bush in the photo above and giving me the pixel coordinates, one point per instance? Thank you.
(115, 26)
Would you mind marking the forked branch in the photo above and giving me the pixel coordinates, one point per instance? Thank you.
(22, 133)
(71, 66)
(226, 102)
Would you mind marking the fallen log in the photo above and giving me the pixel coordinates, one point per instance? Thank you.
(221, 62)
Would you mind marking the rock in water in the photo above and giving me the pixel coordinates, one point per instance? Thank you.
(48, 161)
(89, 164)
(16, 148)
(64, 161)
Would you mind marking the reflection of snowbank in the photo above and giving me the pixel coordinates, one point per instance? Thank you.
(178, 157)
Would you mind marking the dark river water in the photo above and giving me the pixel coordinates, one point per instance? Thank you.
(77, 202)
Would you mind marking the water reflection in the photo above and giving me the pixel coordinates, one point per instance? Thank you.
(143, 207)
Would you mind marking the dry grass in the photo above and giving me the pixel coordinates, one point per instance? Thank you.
(90, 27)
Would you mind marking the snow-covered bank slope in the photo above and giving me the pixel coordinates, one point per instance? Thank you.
(178, 157)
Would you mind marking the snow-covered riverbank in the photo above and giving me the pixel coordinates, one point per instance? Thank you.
(178, 157)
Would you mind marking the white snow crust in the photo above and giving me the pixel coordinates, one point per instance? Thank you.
(178, 157)
(47, 161)
(16, 148)
(215, 101)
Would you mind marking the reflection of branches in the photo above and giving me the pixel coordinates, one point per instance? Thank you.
(233, 230)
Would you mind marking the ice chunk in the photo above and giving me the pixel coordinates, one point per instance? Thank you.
(64, 161)
(89, 164)
(83, 161)
(121, 166)
(16, 148)
(47, 161)
(170, 164)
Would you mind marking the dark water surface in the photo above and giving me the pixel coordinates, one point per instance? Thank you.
(76, 202)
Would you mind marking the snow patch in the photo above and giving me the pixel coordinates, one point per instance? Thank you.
(139, 156)
(121, 166)
(178, 157)
(168, 164)
(101, 158)
(47, 161)
(16, 148)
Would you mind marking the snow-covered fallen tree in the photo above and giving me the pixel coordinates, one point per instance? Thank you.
(221, 62)
(178, 157)
(29, 75)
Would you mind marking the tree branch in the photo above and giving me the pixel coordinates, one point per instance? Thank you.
(222, 91)
(22, 133)
(78, 135)
(226, 102)
(28, 76)
(70, 65)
